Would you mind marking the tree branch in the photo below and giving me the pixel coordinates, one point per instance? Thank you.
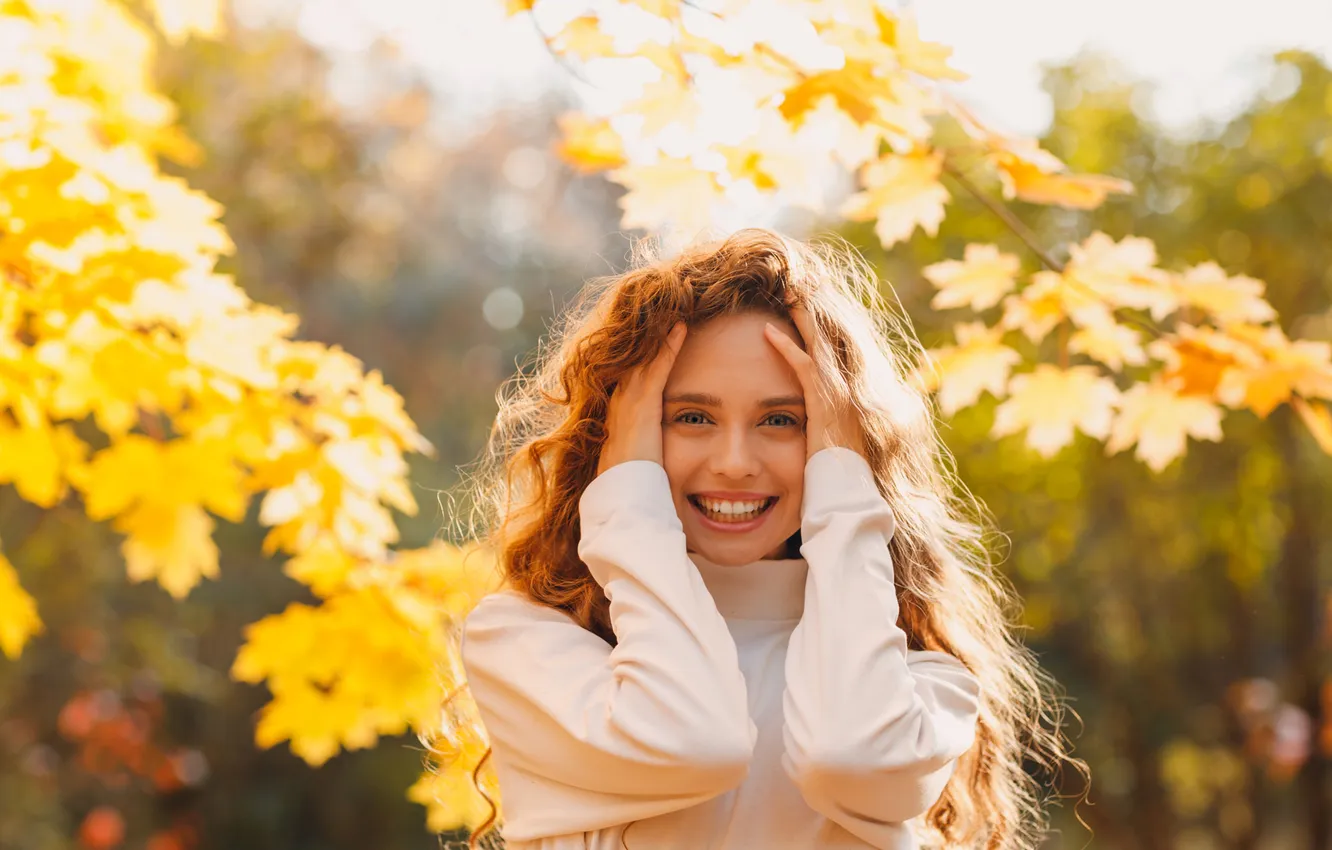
(1007, 216)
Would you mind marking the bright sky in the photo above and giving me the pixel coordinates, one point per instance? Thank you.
(1201, 53)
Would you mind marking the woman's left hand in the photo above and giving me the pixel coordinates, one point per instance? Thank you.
(828, 421)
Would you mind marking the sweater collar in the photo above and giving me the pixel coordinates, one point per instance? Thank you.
(762, 590)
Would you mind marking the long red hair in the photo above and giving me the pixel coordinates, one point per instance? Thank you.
(544, 447)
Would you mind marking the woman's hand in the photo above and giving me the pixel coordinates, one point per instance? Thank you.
(828, 421)
(633, 417)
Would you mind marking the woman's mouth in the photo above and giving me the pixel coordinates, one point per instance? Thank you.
(732, 515)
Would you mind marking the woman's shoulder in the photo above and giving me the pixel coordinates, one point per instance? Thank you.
(507, 603)
(512, 611)
(508, 624)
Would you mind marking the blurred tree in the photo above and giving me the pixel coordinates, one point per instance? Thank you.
(1187, 612)
(439, 223)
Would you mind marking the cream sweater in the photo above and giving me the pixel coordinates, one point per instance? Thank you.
(772, 705)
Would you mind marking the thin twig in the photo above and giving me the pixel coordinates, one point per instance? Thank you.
(559, 57)
(759, 47)
(1029, 238)
(1007, 216)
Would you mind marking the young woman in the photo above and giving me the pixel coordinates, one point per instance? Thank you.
(743, 608)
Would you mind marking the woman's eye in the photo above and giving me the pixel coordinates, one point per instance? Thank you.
(783, 419)
(691, 418)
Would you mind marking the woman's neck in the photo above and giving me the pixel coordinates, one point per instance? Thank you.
(767, 589)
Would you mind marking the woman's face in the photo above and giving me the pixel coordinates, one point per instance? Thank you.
(733, 441)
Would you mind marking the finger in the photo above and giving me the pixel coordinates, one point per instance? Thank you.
(660, 368)
(798, 360)
(804, 323)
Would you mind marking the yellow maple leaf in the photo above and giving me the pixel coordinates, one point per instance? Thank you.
(583, 37)
(1038, 308)
(669, 190)
(1158, 420)
(451, 800)
(383, 408)
(18, 612)
(100, 370)
(175, 220)
(342, 674)
(1030, 173)
(240, 346)
(901, 192)
(746, 163)
(449, 578)
(1049, 299)
(978, 362)
(914, 54)
(1226, 299)
(317, 500)
(1028, 183)
(859, 43)
(141, 470)
(979, 280)
(1111, 344)
(170, 543)
(588, 144)
(1281, 367)
(324, 567)
(372, 464)
(856, 87)
(1196, 358)
(516, 7)
(36, 458)
(826, 127)
(665, 102)
(1050, 403)
(776, 159)
(1121, 274)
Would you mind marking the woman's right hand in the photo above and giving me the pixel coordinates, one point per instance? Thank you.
(634, 414)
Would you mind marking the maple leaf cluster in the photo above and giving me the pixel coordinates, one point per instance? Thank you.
(111, 312)
(140, 382)
(805, 83)
(1228, 353)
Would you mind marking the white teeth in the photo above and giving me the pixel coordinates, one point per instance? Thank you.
(728, 508)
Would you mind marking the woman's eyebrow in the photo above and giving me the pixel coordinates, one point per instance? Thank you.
(714, 401)
(694, 398)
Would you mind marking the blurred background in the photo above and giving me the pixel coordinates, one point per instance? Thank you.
(387, 174)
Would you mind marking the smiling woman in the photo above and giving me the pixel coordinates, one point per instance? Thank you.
(745, 607)
(733, 442)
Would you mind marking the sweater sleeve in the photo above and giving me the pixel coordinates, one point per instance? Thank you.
(586, 736)
(872, 729)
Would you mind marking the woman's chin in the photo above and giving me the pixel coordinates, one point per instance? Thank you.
(737, 553)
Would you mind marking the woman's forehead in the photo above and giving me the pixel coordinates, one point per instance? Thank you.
(732, 359)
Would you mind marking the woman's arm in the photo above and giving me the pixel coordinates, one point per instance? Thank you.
(872, 729)
(587, 736)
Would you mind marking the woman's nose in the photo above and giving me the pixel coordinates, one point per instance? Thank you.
(736, 456)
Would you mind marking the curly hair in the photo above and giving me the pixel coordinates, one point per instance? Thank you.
(546, 439)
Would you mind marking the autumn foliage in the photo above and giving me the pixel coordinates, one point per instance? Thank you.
(138, 382)
(1105, 342)
(148, 391)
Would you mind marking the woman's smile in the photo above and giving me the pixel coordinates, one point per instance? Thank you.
(732, 512)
